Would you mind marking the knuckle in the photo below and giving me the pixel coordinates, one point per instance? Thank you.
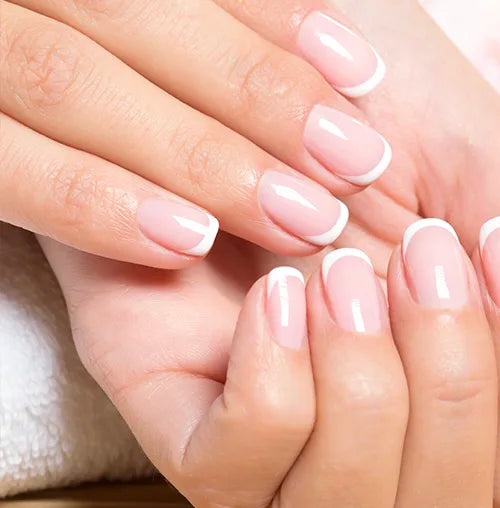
(42, 63)
(271, 412)
(202, 156)
(271, 77)
(375, 394)
(79, 196)
(459, 393)
(107, 8)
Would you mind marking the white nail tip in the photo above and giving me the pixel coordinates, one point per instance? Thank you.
(377, 171)
(370, 84)
(486, 230)
(334, 256)
(330, 236)
(209, 233)
(425, 223)
(280, 274)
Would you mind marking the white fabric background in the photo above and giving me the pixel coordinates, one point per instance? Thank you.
(56, 426)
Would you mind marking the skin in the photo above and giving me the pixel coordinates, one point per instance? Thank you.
(324, 425)
(439, 170)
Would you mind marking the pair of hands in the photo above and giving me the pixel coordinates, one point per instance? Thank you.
(134, 326)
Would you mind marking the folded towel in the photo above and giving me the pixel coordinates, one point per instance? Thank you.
(56, 425)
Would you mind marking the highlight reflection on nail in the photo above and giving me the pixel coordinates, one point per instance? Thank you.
(302, 208)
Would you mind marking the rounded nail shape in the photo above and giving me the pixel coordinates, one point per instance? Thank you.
(347, 61)
(435, 264)
(489, 242)
(176, 226)
(286, 306)
(302, 208)
(352, 290)
(345, 146)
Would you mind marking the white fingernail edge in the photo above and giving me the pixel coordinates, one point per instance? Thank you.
(209, 233)
(486, 230)
(370, 84)
(330, 236)
(377, 171)
(280, 274)
(425, 223)
(334, 256)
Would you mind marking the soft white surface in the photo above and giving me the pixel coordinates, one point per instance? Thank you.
(56, 426)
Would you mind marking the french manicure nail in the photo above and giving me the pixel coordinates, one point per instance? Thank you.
(347, 61)
(352, 290)
(302, 208)
(345, 146)
(177, 227)
(489, 241)
(286, 306)
(435, 264)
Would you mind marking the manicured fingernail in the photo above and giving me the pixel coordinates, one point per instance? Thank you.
(346, 147)
(354, 298)
(286, 306)
(177, 227)
(347, 61)
(489, 242)
(302, 208)
(435, 264)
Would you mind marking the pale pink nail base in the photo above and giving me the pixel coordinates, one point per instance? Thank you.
(345, 146)
(352, 291)
(302, 208)
(490, 256)
(347, 61)
(286, 307)
(177, 227)
(435, 265)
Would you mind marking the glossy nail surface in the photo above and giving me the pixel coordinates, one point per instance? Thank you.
(490, 256)
(286, 306)
(177, 227)
(352, 291)
(435, 264)
(345, 146)
(347, 61)
(302, 208)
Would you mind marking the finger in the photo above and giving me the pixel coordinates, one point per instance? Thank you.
(446, 349)
(272, 97)
(321, 34)
(353, 456)
(89, 99)
(487, 263)
(95, 206)
(220, 443)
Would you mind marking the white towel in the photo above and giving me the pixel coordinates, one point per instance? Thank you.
(56, 426)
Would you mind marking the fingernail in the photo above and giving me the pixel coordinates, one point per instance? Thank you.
(286, 306)
(346, 147)
(489, 241)
(351, 286)
(177, 227)
(435, 264)
(347, 61)
(302, 208)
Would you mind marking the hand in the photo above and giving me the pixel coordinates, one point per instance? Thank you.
(141, 121)
(316, 420)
